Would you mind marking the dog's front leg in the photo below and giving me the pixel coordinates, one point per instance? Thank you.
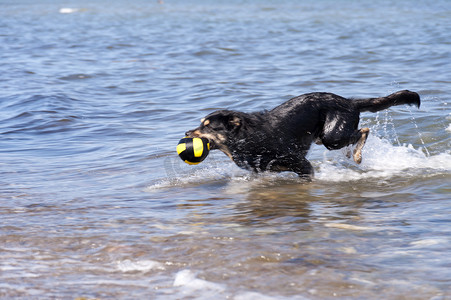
(299, 165)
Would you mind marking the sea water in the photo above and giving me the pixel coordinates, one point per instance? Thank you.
(95, 203)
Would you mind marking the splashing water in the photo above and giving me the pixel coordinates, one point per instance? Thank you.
(413, 120)
(382, 160)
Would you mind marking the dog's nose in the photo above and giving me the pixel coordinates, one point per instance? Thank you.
(189, 133)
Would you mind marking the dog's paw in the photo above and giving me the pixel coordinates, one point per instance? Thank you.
(357, 156)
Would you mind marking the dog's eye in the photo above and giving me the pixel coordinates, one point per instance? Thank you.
(206, 122)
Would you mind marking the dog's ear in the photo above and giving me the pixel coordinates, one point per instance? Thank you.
(234, 122)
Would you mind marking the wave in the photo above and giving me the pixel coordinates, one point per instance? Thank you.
(187, 284)
(143, 266)
(38, 114)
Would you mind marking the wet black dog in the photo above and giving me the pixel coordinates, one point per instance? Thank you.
(279, 139)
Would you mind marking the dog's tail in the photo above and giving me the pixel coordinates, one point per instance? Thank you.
(398, 98)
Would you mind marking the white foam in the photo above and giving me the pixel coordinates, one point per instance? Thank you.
(191, 285)
(140, 266)
(428, 242)
(68, 10)
(382, 160)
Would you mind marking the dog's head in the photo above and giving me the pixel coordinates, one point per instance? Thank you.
(220, 128)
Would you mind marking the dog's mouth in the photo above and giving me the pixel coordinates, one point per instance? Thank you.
(196, 133)
(216, 140)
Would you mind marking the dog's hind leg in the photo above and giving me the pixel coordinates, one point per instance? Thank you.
(340, 130)
(357, 155)
(340, 140)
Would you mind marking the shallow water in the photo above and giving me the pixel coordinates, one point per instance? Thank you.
(95, 203)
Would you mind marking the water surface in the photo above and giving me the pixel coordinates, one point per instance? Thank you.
(95, 203)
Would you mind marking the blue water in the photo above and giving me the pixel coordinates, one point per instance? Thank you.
(95, 203)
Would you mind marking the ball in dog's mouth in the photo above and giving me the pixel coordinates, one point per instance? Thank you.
(193, 150)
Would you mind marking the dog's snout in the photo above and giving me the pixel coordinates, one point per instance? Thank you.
(190, 133)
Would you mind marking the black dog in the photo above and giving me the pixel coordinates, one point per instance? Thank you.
(279, 139)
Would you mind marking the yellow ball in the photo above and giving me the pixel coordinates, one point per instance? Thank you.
(193, 150)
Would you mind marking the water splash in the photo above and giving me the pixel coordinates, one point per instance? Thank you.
(414, 122)
(382, 160)
(389, 121)
(215, 168)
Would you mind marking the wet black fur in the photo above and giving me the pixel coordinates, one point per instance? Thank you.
(279, 139)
